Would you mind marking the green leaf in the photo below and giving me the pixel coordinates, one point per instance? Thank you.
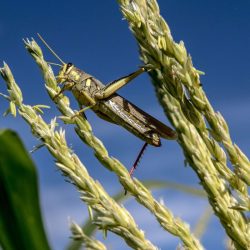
(21, 224)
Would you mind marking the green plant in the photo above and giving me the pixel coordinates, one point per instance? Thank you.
(202, 133)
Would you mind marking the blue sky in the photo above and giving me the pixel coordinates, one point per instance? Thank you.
(93, 36)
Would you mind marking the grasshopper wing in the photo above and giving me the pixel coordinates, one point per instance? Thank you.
(160, 128)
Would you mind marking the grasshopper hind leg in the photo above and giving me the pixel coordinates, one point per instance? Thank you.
(138, 159)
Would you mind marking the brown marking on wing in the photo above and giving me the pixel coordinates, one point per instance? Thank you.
(163, 130)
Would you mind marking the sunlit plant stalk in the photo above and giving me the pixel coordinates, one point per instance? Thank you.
(164, 216)
(180, 92)
(111, 216)
(88, 242)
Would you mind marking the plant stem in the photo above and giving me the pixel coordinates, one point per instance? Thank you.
(164, 216)
(111, 216)
(178, 88)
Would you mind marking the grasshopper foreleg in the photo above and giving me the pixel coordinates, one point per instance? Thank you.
(66, 86)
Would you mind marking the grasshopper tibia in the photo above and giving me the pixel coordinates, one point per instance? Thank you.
(138, 159)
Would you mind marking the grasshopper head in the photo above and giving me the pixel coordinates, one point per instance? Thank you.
(64, 72)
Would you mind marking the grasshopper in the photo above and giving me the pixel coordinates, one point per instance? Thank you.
(110, 106)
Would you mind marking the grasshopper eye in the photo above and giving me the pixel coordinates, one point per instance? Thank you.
(69, 65)
(68, 68)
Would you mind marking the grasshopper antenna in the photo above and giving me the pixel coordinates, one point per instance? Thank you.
(50, 49)
(56, 64)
